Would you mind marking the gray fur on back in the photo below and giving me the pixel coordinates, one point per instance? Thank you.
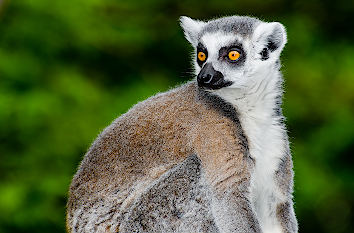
(177, 202)
(242, 25)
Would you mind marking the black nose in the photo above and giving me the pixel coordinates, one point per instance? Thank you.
(208, 77)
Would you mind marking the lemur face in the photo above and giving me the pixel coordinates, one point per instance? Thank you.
(224, 61)
(233, 52)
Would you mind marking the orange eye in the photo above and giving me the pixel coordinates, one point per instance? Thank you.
(201, 56)
(234, 55)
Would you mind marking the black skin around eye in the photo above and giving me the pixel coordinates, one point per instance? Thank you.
(201, 48)
(224, 54)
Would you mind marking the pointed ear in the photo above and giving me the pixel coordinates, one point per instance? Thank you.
(269, 39)
(191, 29)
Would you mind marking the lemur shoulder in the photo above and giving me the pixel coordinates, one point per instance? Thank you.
(209, 156)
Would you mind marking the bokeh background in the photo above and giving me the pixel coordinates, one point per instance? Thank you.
(68, 68)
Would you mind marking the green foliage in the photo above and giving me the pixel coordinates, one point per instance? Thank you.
(68, 68)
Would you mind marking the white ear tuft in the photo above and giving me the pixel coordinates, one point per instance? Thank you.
(191, 29)
(270, 36)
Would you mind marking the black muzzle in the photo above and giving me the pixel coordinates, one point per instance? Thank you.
(209, 78)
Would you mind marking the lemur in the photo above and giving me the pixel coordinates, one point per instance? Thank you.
(211, 155)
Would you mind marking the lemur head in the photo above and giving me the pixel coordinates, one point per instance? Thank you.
(234, 52)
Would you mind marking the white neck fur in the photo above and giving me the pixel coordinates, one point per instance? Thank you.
(267, 141)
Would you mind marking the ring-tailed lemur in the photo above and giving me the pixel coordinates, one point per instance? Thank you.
(209, 156)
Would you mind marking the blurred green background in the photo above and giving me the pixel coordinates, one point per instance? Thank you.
(68, 68)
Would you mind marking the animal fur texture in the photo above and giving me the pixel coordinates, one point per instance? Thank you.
(209, 156)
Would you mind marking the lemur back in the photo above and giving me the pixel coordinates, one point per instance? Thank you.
(181, 161)
(149, 142)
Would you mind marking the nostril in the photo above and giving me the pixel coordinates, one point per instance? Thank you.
(207, 78)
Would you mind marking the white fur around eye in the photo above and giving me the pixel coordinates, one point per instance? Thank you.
(214, 41)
